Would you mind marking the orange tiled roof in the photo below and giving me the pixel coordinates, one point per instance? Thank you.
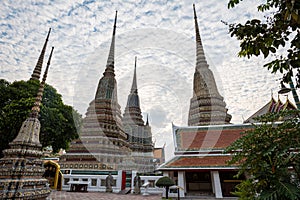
(189, 140)
(192, 162)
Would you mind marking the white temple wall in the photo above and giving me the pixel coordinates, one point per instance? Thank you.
(96, 183)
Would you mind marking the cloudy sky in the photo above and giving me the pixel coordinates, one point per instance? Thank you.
(159, 33)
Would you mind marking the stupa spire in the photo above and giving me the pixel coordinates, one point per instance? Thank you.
(200, 61)
(147, 122)
(134, 84)
(36, 108)
(132, 114)
(139, 133)
(111, 56)
(108, 89)
(22, 169)
(38, 68)
(207, 105)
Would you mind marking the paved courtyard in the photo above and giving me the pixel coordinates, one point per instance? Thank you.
(63, 195)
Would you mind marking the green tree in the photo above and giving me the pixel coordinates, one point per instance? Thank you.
(269, 155)
(165, 182)
(59, 122)
(278, 32)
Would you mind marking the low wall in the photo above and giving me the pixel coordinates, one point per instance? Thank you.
(96, 183)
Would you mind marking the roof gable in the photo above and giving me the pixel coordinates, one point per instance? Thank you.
(272, 106)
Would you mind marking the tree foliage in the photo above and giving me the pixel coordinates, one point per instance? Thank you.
(165, 182)
(279, 32)
(269, 155)
(59, 122)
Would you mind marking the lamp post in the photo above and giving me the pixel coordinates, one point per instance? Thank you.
(285, 90)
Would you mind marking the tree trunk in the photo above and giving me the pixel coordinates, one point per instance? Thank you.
(167, 192)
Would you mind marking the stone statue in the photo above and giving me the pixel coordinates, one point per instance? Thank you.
(109, 182)
(137, 184)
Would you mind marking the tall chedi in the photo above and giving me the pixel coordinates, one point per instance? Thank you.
(206, 106)
(103, 142)
(139, 133)
(21, 168)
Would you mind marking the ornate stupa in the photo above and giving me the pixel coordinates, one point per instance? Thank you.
(103, 142)
(206, 106)
(139, 133)
(38, 67)
(21, 168)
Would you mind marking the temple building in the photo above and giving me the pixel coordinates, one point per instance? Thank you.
(108, 141)
(22, 168)
(139, 133)
(159, 155)
(199, 164)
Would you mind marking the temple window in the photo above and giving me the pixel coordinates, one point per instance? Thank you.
(66, 180)
(94, 182)
(151, 183)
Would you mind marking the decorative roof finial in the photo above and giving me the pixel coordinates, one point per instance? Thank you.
(36, 108)
(271, 93)
(38, 68)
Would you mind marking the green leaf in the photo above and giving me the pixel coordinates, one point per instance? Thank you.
(265, 51)
(60, 122)
(265, 153)
(272, 49)
(270, 34)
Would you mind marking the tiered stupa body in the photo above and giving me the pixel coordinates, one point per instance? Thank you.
(139, 133)
(206, 106)
(21, 168)
(103, 142)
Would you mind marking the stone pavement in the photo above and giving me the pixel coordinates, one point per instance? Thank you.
(63, 195)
